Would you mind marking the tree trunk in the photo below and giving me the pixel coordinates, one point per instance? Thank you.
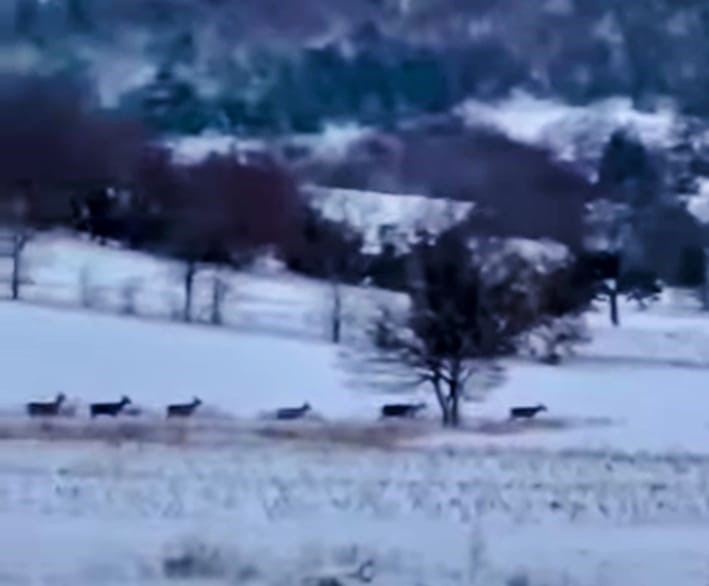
(15, 284)
(613, 298)
(454, 404)
(336, 321)
(705, 282)
(18, 244)
(190, 271)
(336, 329)
(442, 402)
(218, 292)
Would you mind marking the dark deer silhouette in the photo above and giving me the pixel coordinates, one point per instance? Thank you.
(402, 410)
(363, 574)
(45, 409)
(109, 409)
(293, 412)
(184, 409)
(526, 412)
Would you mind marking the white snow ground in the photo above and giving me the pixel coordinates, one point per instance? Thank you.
(611, 487)
(91, 514)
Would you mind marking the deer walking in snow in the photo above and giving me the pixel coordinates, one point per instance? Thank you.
(287, 413)
(183, 409)
(402, 410)
(109, 409)
(526, 412)
(46, 409)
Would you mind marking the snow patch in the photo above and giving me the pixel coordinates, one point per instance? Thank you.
(568, 129)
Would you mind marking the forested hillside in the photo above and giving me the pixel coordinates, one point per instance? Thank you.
(254, 66)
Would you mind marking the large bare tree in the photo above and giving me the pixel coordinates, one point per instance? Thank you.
(470, 301)
(451, 332)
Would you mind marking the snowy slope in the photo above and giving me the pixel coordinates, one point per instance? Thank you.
(573, 132)
(613, 395)
(91, 356)
(67, 271)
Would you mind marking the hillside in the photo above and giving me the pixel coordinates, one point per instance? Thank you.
(611, 395)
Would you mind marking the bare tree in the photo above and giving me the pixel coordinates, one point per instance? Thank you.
(190, 272)
(471, 302)
(446, 372)
(89, 291)
(451, 332)
(17, 236)
(330, 247)
(129, 294)
(220, 290)
(610, 232)
(340, 265)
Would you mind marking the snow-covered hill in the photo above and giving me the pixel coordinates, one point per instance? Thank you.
(67, 271)
(573, 132)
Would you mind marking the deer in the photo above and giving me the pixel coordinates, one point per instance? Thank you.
(526, 412)
(183, 409)
(286, 413)
(406, 410)
(363, 574)
(46, 409)
(110, 409)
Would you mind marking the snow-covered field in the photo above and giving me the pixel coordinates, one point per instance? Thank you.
(610, 487)
(268, 514)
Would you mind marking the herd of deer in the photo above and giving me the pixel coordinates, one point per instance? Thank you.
(177, 410)
(53, 408)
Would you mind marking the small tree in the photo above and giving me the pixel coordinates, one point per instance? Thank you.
(19, 233)
(452, 331)
(220, 290)
(332, 251)
(129, 294)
